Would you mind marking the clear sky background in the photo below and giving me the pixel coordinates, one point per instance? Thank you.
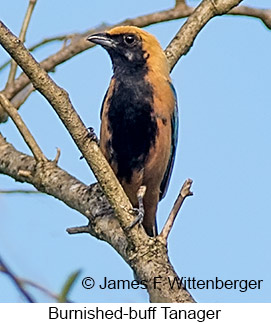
(224, 95)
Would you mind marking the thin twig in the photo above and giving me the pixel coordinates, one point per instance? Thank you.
(46, 291)
(263, 14)
(184, 192)
(80, 229)
(25, 25)
(180, 3)
(4, 65)
(23, 281)
(50, 40)
(56, 159)
(19, 192)
(26, 134)
(21, 97)
(41, 43)
(4, 268)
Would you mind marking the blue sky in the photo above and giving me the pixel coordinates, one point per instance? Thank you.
(223, 87)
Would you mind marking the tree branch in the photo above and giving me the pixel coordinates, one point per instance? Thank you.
(4, 268)
(26, 134)
(19, 192)
(21, 282)
(180, 3)
(262, 14)
(46, 291)
(148, 257)
(41, 43)
(184, 192)
(24, 28)
(185, 37)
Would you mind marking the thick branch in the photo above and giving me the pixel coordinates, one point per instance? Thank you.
(50, 179)
(147, 258)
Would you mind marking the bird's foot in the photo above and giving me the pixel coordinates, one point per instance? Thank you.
(140, 210)
(92, 135)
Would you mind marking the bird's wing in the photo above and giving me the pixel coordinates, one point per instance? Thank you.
(174, 140)
(102, 107)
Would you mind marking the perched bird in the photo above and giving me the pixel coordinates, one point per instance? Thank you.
(139, 117)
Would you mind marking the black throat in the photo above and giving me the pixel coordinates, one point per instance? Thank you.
(131, 120)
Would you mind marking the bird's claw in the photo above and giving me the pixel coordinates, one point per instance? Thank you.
(139, 212)
(92, 135)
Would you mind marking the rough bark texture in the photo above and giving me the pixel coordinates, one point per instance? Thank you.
(147, 256)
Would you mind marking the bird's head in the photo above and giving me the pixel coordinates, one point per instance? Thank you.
(132, 49)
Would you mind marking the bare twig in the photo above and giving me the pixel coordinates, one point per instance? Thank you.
(46, 291)
(81, 229)
(4, 65)
(50, 40)
(21, 97)
(185, 37)
(263, 14)
(28, 138)
(19, 192)
(56, 159)
(25, 25)
(180, 3)
(4, 268)
(41, 43)
(22, 282)
(184, 192)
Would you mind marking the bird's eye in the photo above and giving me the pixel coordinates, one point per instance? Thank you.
(129, 39)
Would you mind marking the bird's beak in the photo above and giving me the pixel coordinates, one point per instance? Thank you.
(102, 39)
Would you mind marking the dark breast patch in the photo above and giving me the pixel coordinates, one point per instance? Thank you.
(132, 124)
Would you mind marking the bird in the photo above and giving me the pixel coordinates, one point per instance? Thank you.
(139, 118)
